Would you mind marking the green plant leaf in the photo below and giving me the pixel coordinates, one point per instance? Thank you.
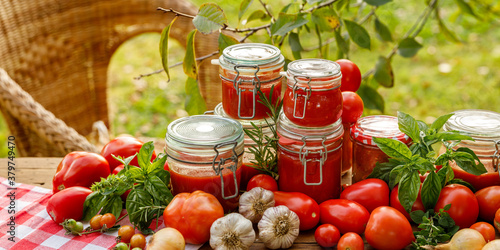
(440, 121)
(225, 41)
(408, 189)
(382, 171)
(416, 216)
(466, 161)
(314, 1)
(342, 45)
(408, 125)
(431, 188)
(286, 23)
(295, 46)
(341, 5)
(158, 189)
(383, 33)
(195, 104)
(383, 72)
(244, 7)
(448, 34)
(358, 34)
(189, 65)
(445, 175)
(452, 136)
(258, 15)
(394, 148)
(145, 154)
(210, 18)
(465, 8)
(371, 98)
(376, 2)
(164, 47)
(326, 19)
(408, 47)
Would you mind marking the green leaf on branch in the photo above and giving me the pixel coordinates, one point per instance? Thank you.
(341, 5)
(445, 175)
(358, 34)
(145, 154)
(376, 2)
(383, 170)
(295, 46)
(244, 7)
(466, 8)
(408, 47)
(342, 45)
(431, 188)
(448, 34)
(258, 15)
(394, 148)
(189, 64)
(452, 136)
(466, 159)
(286, 23)
(383, 32)
(371, 98)
(210, 18)
(408, 189)
(326, 19)
(164, 47)
(195, 104)
(440, 121)
(226, 41)
(383, 72)
(408, 125)
(314, 1)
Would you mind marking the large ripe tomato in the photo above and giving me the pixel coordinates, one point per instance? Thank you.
(79, 169)
(193, 214)
(352, 107)
(264, 181)
(488, 200)
(464, 208)
(351, 76)
(486, 229)
(304, 206)
(351, 241)
(388, 229)
(346, 215)
(370, 193)
(67, 204)
(327, 235)
(123, 146)
(394, 202)
(496, 222)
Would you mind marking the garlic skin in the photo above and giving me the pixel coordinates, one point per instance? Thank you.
(232, 232)
(279, 227)
(254, 202)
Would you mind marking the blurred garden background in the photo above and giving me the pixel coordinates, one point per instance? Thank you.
(443, 77)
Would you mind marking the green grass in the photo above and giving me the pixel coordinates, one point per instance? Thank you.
(441, 78)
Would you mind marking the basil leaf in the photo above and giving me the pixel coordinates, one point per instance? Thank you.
(90, 207)
(157, 165)
(408, 189)
(431, 188)
(126, 161)
(158, 190)
(452, 136)
(416, 216)
(440, 121)
(382, 171)
(422, 126)
(443, 159)
(113, 206)
(134, 173)
(145, 154)
(393, 148)
(467, 162)
(423, 165)
(445, 175)
(464, 183)
(409, 126)
(479, 166)
(164, 175)
(395, 176)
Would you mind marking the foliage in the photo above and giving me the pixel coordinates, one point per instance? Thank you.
(435, 227)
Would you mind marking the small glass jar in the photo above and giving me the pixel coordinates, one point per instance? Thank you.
(247, 169)
(313, 97)
(310, 159)
(484, 127)
(244, 69)
(205, 152)
(365, 153)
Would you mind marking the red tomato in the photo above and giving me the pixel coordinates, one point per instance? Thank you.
(346, 215)
(304, 206)
(351, 241)
(486, 229)
(67, 204)
(79, 169)
(193, 214)
(351, 76)
(370, 193)
(123, 146)
(394, 201)
(488, 200)
(496, 222)
(352, 107)
(388, 229)
(464, 208)
(327, 235)
(118, 169)
(264, 181)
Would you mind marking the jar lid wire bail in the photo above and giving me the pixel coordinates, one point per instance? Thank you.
(221, 162)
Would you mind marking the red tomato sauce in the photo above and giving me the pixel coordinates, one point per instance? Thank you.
(364, 159)
(346, 149)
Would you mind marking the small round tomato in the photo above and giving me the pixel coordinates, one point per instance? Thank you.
(464, 209)
(121, 246)
(78, 228)
(126, 232)
(352, 107)
(486, 229)
(370, 193)
(394, 201)
(264, 181)
(108, 219)
(388, 229)
(327, 235)
(304, 206)
(95, 222)
(346, 215)
(123, 146)
(488, 200)
(496, 221)
(67, 204)
(138, 240)
(351, 76)
(351, 241)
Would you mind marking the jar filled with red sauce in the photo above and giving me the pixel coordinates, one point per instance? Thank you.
(205, 152)
(244, 69)
(310, 159)
(365, 153)
(313, 97)
(484, 127)
(249, 168)
(346, 149)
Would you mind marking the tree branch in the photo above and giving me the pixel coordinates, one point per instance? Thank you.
(267, 11)
(177, 13)
(319, 6)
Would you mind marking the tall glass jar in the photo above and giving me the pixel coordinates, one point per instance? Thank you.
(205, 152)
(365, 153)
(310, 159)
(313, 97)
(484, 127)
(244, 69)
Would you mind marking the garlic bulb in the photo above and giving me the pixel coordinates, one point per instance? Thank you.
(232, 232)
(254, 202)
(279, 227)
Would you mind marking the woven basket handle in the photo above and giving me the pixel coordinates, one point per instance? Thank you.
(32, 114)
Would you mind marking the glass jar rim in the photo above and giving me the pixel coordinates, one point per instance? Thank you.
(251, 57)
(479, 124)
(313, 68)
(384, 126)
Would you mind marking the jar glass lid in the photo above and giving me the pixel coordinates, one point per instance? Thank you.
(313, 68)
(204, 130)
(251, 54)
(476, 123)
(377, 126)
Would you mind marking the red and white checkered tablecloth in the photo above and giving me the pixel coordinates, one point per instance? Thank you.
(34, 229)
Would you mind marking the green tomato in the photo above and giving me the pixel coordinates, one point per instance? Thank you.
(78, 228)
(70, 224)
(121, 246)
